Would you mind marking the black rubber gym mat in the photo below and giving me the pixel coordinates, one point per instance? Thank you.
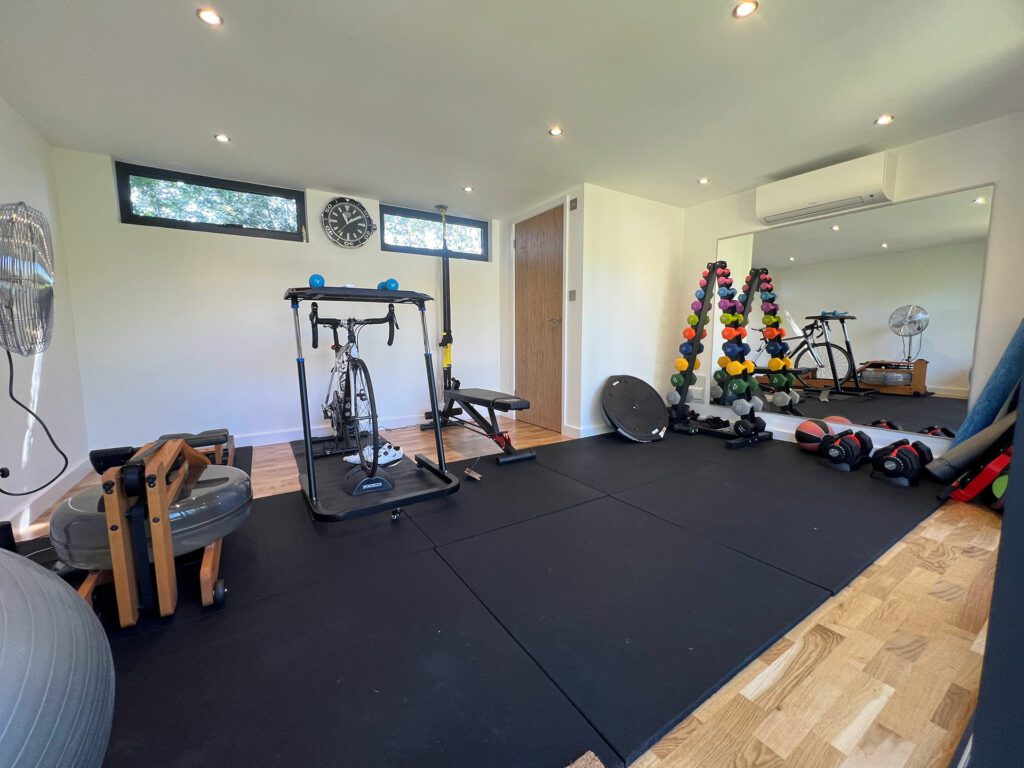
(280, 548)
(611, 463)
(912, 413)
(635, 619)
(396, 665)
(506, 494)
(785, 507)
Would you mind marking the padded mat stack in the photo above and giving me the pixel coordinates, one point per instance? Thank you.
(585, 601)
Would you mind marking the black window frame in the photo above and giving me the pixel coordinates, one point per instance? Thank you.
(124, 171)
(414, 213)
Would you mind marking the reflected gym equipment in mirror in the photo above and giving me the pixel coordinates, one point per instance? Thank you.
(879, 309)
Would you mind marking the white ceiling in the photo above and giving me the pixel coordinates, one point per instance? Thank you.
(928, 223)
(410, 101)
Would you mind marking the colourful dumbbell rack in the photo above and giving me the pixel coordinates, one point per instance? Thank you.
(693, 335)
(781, 377)
(735, 375)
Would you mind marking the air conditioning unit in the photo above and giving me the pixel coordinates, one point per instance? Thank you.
(865, 181)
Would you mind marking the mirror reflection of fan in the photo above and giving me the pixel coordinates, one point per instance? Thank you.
(26, 302)
(908, 322)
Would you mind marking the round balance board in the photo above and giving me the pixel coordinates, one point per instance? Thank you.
(634, 408)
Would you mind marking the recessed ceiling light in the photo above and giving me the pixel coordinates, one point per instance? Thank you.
(467, 189)
(210, 16)
(742, 10)
(835, 227)
(555, 131)
(885, 245)
(703, 180)
(223, 138)
(792, 258)
(886, 119)
(980, 200)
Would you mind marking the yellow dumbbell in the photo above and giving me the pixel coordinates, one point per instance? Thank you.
(787, 362)
(696, 364)
(734, 368)
(749, 365)
(681, 364)
(723, 361)
(775, 364)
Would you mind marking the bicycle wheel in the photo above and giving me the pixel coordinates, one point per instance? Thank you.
(820, 368)
(364, 416)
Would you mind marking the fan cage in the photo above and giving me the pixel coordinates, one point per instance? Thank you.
(26, 280)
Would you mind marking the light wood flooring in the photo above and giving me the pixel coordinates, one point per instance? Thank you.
(883, 675)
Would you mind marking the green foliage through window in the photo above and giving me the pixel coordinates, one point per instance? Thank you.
(420, 232)
(211, 205)
(162, 198)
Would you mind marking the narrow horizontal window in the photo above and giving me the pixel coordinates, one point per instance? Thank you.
(160, 198)
(410, 231)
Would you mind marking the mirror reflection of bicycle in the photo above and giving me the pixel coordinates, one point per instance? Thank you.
(349, 404)
(811, 356)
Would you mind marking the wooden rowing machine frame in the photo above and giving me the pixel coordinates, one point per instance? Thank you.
(142, 491)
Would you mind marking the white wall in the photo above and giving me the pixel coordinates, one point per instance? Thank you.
(991, 152)
(48, 383)
(632, 252)
(944, 280)
(182, 330)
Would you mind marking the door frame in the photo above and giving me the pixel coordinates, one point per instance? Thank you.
(510, 238)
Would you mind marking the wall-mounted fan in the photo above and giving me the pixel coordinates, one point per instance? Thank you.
(26, 300)
(908, 322)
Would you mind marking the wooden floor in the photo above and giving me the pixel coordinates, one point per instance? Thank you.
(883, 675)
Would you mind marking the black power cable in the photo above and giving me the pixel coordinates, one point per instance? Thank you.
(46, 429)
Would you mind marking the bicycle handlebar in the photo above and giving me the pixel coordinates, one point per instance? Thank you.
(334, 323)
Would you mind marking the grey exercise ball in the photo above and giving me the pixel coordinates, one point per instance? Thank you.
(56, 673)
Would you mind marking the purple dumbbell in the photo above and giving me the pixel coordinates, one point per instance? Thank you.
(695, 306)
(725, 305)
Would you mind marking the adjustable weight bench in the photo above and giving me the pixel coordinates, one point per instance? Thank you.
(458, 401)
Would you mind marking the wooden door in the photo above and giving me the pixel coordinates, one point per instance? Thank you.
(538, 308)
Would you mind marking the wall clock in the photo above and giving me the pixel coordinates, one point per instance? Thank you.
(347, 223)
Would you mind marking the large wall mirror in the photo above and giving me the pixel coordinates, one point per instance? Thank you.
(880, 308)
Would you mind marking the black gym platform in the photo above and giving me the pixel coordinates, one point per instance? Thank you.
(520, 622)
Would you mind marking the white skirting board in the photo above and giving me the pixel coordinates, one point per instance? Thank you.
(32, 507)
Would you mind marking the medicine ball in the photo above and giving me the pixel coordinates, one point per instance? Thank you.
(810, 432)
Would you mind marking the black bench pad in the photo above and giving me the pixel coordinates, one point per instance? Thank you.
(499, 401)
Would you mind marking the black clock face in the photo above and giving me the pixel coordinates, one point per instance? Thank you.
(347, 223)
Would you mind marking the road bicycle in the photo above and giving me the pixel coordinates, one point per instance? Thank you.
(811, 358)
(349, 403)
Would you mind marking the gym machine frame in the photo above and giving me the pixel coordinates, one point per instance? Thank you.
(681, 417)
(137, 495)
(457, 400)
(438, 479)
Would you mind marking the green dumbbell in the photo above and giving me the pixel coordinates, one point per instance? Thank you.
(678, 380)
(738, 386)
(778, 380)
(720, 376)
(691, 378)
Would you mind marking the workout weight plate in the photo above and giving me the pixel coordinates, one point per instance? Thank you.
(634, 408)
